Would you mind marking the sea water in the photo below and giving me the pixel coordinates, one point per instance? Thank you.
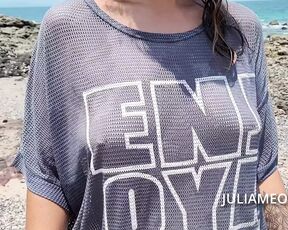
(269, 10)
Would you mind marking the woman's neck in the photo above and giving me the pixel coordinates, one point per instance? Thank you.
(159, 16)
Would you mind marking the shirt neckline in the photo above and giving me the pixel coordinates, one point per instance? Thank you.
(150, 36)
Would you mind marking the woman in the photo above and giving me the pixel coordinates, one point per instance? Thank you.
(143, 114)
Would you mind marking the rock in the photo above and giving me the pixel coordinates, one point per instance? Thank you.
(283, 43)
(7, 174)
(277, 59)
(285, 24)
(9, 160)
(2, 164)
(17, 38)
(284, 28)
(275, 38)
(274, 23)
(283, 52)
(6, 21)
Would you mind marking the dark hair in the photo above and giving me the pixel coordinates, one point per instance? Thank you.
(217, 21)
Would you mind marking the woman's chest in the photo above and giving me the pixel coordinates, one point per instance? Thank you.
(147, 123)
(141, 120)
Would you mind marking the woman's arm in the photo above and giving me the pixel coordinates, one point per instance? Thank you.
(44, 214)
(276, 215)
(273, 184)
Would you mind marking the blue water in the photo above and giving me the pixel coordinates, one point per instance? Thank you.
(28, 13)
(267, 10)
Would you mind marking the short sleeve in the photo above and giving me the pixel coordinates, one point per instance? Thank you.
(268, 147)
(34, 158)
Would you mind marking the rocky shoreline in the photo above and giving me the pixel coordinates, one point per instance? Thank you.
(283, 26)
(17, 38)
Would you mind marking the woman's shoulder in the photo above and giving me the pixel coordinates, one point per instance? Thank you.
(68, 12)
(249, 22)
(243, 14)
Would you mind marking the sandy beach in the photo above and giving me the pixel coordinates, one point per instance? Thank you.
(17, 38)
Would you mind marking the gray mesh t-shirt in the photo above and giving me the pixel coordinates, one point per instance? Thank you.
(136, 130)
